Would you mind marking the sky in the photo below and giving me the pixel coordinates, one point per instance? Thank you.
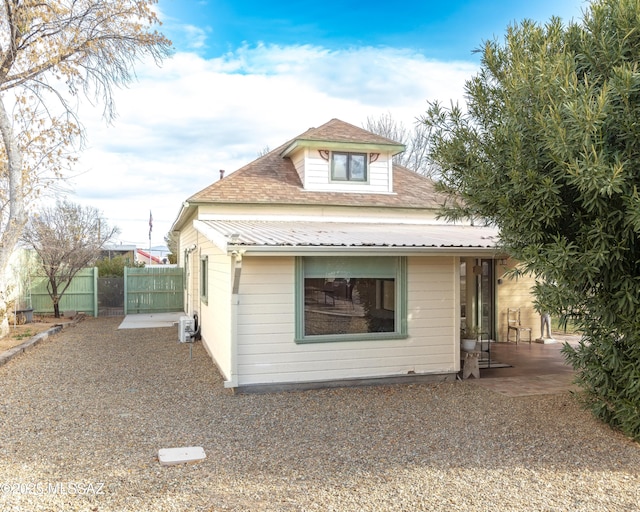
(249, 75)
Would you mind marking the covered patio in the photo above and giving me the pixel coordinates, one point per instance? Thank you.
(532, 369)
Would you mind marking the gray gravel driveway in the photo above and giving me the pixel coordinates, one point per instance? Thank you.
(83, 415)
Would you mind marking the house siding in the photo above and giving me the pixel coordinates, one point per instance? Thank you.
(267, 353)
(188, 238)
(316, 175)
(275, 212)
(266, 319)
(298, 160)
(214, 315)
(516, 293)
(317, 172)
(433, 288)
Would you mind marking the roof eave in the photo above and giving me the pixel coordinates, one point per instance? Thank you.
(185, 211)
(369, 147)
(333, 250)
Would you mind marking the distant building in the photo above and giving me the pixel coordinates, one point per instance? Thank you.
(150, 258)
(127, 251)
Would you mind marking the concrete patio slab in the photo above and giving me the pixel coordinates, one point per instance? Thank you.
(149, 321)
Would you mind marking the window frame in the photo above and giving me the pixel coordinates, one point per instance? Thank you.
(185, 274)
(401, 311)
(349, 178)
(204, 279)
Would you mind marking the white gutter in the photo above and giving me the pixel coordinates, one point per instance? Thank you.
(332, 250)
(184, 208)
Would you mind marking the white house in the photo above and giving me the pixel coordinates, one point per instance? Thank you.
(323, 263)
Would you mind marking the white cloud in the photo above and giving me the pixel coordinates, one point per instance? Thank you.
(196, 36)
(181, 123)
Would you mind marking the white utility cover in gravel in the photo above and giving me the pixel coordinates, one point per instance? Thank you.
(170, 456)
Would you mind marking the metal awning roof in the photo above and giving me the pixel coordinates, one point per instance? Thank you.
(305, 236)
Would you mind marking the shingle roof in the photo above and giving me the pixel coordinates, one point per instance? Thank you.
(339, 131)
(272, 179)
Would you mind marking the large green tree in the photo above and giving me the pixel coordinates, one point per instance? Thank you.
(548, 150)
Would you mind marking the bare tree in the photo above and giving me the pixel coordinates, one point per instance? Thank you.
(415, 156)
(50, 51)
(67, 238)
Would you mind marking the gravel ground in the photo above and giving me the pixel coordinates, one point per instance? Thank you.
(84, 413)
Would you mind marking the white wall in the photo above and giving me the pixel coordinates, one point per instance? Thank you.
(268, 354)
(516, 293)
(315, 173)
(215, 314)
(301, 212)
(433, 311)
(188, 238)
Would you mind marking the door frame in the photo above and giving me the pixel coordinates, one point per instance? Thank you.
(476, 274)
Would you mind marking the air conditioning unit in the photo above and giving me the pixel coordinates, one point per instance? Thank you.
(186, 329)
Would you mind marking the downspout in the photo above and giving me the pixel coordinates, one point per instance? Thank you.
(235, 305)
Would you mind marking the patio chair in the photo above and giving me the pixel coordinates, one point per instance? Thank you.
(513, 320)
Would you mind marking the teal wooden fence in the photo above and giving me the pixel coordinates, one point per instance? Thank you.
(153, 290)
(146, 290)
(82, 294)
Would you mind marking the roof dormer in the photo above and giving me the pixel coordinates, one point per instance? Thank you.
(340, 157)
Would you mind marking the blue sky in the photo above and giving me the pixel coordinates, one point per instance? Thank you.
(248, 75)
(438, 29)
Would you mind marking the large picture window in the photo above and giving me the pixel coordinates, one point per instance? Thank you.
(348, 166)
(350, 298)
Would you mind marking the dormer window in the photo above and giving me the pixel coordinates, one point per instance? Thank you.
(348, 167)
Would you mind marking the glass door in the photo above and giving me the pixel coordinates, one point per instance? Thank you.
(486, 299)
(477, 302)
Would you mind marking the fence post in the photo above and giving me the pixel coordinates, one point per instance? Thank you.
(95, 292)
(126, 291)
